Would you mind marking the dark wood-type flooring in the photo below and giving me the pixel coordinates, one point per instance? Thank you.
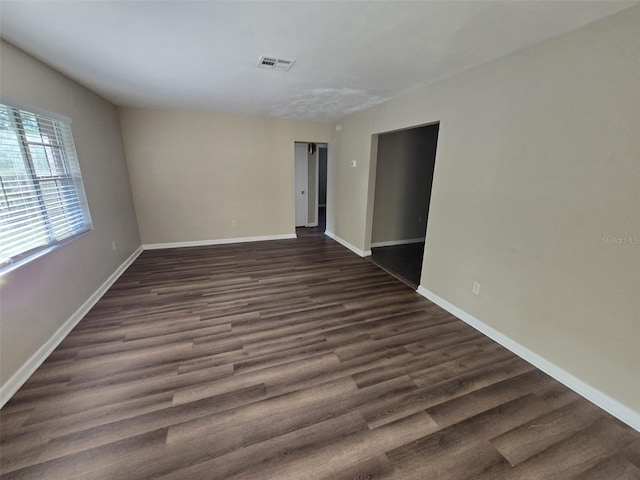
(294, 359)
(403, 261)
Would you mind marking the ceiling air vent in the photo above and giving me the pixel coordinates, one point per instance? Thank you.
(273, 63)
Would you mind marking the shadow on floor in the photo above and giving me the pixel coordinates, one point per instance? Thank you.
(402, 261)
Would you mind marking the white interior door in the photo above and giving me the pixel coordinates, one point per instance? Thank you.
(302, 175)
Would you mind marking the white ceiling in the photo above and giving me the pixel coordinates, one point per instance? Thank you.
(203, 55)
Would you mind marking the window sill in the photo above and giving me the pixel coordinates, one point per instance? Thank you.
(10, 267)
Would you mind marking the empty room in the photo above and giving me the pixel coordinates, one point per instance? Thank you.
(328, 240)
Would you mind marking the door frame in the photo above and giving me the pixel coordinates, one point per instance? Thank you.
(371, 188)
(317, 182)
(295, 186)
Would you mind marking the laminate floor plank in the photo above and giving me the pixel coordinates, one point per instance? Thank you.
(344, 453)
(540, 433)
(613, 468)
(542, 388)
(236, 461)
(287, 360)
(573, 456)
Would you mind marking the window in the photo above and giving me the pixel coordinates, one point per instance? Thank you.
(42, 199)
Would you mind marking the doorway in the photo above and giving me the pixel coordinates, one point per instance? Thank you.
(310, 187)
(322, 187)
(302, 187)
(404, 176)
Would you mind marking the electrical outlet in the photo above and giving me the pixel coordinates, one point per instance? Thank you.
(234, 222)
(113, 244)
(338, 127)
(353, 163)
(476, 288)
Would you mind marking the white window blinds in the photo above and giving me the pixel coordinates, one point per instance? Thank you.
(42, 199)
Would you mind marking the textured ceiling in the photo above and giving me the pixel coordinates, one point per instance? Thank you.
(203, 55)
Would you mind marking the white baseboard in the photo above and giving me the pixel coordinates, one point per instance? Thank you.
(344, 243)
(393, 243)
(9, 388)
(314, 224)
(601, 399)
(221, 241)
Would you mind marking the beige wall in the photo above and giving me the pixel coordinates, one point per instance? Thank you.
(538, 161)
(193, 173)
(403, 175)
(36, 299)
